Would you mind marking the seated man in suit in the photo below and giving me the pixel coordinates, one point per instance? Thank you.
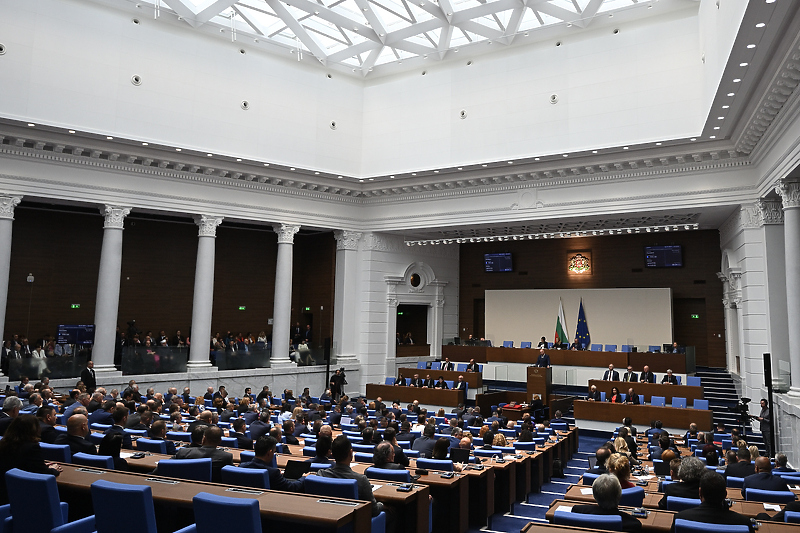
(576, 344)
(242, 441)
(47, 421)
(77, 427)
(669, 379)
(607, 493)
(557, 418)
(440, 383)
(630, 375)
(632, 398)
(424, 444)
(343, 455)
(646, 376)
(383, 456)
(264, 452)
(158, 431)
(611, 374)
(543, 360)
(763, 478)
(536, 404)
(690, 472)
(601, 456)
(713, 510)
(741, 468)
(472, 366)
(460, 384)
(120, 416)
(429, 383)
(594, 394)
(323, 451)
(416, 381)
(781, 464)
(212, 437)
(447, 366)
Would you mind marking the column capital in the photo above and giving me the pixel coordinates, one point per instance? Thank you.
(771, 211)
(207, 224)
(7, 205)
(347, 240)
(790, 192)
(286, 232)
(722, 277)
(114, 216)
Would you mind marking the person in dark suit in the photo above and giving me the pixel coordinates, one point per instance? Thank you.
(781, 463)
(323, 451)
(646, 376)
(472, 366)
(447, 366)
(343, 455)
(424, 444)
(264, 453)
(607, 492)
(212, 437)
(400, 381)
(405, 432)
(383, 456)
(159, 432)
(763, 478)
(542, 343)
(120, 419)
(242, 441)
(429, 383)
(690, 473)
(543, 361)
(461, 384)
(594, 394)
(630, 375)
(610, 374)
(416, 381)
(19, 448)
(77, 427)
(103, 415)
(47, 421)
(742, 467)
(576, 345)
(601, 456)
(11, 408)
(712, 509)
(88, 377)
(440, 383)
(632, 398)
(669, 379)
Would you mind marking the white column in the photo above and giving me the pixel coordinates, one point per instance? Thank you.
(108, 279)
(436, 317)
(790, 194)
(282, 312)
(345, 300)
(203, 300)
(7, 205)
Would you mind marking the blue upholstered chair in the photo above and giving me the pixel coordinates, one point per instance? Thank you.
(658, 401)
(341, 488)
(588, 478)
(140, 516)
(590, 521)
(771, 496)
(632, 497)
(676, 503)
(34, 505)
(508, 344)
(245, 477)
(679, 402)
(654, 348)
(437, 464)
(388, 474)
(611, 347)
(525, 344)
(97, 461)
(694, 381)
(689, 526)
(151, 445)
(596, 348)
(56, 452)
(191, 469)
(213, 514)
(700, 404)
(735, 482)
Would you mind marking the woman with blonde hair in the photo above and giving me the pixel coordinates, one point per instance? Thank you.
(500, 440)
(620, 466)
(754, 453)
(622, 448)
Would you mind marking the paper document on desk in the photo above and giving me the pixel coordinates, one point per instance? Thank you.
(375, 487)
(586, 490)
(644, 478)
(126, 455)
(771, 507)
(565, 508)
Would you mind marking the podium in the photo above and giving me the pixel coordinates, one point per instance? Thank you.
(540, 381)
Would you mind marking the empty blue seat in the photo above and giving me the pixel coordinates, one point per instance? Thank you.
(182, 436)
(151, 445)
(676, 503)
(658, 401)
(388, 474)
(245, 477)
(632, 497)
(508, 344)
(735, 482)
(461, 367)
(700, 404)
(524, 445)
(450, 383)
(341, 488)
(192, 469)
(362, 457)
(213, 514)
(96, 438)
(525, 344)
(436, 365)
(596, 348)
(654, 348)
(411, 453)
(602, 396)
(590, 521)
(626, 348)
(56, 452)
(136, 432)
(364, 448)
(771, 496)
(693, 381)
(559, 426)
(792, 517)
(140, 516)
(98, 461)
(229, 442)
(422, 364)
(435, 464)
(611, 347)
(689, 526)
(679, 402)
(485, 453)
(389, 381)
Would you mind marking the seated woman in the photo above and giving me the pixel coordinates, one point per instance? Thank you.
(440, 451)
(400, 381)
(526, 435)
(440, 383)
(19, 448)
(499, 440)
(621, 447)
(620, 466)
(615, 396)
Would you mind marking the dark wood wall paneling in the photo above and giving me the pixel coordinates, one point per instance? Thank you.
(617, 262)
(62, 251)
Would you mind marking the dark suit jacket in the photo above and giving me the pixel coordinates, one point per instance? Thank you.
(400, 382)
(671, 380)
(474, 367)
(615, 375)
(320, 460)
(259, 428)
(390, 466)
(219, 458)
(448, 366)
(417, 382)
(764, 481)
(713, 515)
(629, 523)
(242, 441)
(632, 377)
(430, 383)
(460, 385)
(48, 433)
(543, 360)
(101, 417)
(5, 421)
(424, 445)
(681, 490)
(76, 444)
(276, 479)
(740, 469)
(126, 439)
(594, 395)
(442, 385)
(88, 379)
(344, 471)
(647, 377)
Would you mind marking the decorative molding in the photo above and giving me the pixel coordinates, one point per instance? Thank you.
(383, 243)
(286, 232)
(7, 205)
(790, 193)
(771, 211)
(347, 240)
(114, 216)
(207, 224)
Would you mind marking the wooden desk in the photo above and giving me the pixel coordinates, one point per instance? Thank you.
(642, 414)
(655, 522)
(474, 379)
(406, 395)
(413, 350)
(278, 509)
(651, 389)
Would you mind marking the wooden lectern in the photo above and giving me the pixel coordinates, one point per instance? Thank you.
(540, 381)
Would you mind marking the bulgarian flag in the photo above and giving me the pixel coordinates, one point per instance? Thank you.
(561, 326)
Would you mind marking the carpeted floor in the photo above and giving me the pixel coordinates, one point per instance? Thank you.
(538, 503)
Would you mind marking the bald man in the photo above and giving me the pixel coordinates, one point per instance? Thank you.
(77, 427)
(763, 478)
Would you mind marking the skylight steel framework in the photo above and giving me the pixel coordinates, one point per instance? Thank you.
(363, 34)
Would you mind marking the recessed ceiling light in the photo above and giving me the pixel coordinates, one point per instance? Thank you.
(31, 124)
(743, 64)
(716, 127)
(316, 173)
(658, 144)
(760, 25)
(391, 177)
(339, 177)
(510, 162)
(535, 158)
(372, 179)
(565, 155)
(484, 165)
(435, 171)
(693, 139)
(720, 118)
(713, 137)
(361, 181)
(726, 107)
(145, 144)
(177, 149)
(751, 46)
(210, 155)
(71, 131)
(731, 94)
(770, 1)
(109, 138)
(624, 147)
(459, 168)
(238, 160)
(737, 80)
(413, 173)
(594, 151)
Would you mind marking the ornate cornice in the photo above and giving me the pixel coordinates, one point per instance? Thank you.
(207, 225)
(790, 193)
(347, 240)
(114, 216)
(7, 205)
(286, 232)
(771, 211)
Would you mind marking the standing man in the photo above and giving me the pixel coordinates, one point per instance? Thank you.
(296, 335)
(307, 336)
(765, 426)
(647, 376)
(611, 374)
(544, 359)
(630, 375)
(88, 377)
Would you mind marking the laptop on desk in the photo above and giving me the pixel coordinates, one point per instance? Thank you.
(459, 455)
(296, 469)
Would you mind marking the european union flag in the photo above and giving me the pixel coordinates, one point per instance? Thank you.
(582, 329)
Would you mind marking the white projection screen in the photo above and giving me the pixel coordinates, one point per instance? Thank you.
(638, 317)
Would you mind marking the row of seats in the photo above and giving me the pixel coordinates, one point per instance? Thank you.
(627, 348)
(437, 365)
(450, 382)
(660, 401)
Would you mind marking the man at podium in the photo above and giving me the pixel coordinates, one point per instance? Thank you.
(544, 360)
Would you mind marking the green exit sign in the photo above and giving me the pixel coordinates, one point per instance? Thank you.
(308, 309)
(75, 306)
(399, 313)
(695, 316)
(242, 308)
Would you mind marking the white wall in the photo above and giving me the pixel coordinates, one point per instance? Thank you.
(615, 316)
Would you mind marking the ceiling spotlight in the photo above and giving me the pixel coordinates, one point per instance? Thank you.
(391, 177)
(716, 127)
(238, 160)
(751, 46)
(594, 151)
(459, 168)
(31, 124)
(291, 168)
(725, 107)
(339, 177)
(693, 139)
(510, 162)
(731, 94)
(720, 118)
(658, 144)
(565, 155)
(536, 159)
(210, 155)
(743, 64)
(760, 25)
(737, 80)
(316, 173)
(484, 165)
(413, 173)
(71, 131)
(266, 164)
(435, 171)
(145, 144)
(177, 149)
(624, 147)
(109, 138)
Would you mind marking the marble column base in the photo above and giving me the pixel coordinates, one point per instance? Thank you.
(283, 362)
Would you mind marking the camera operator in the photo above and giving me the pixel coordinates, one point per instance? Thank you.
(765, 426)
(337, 384)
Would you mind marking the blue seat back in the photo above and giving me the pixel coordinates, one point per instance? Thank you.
(792, 517)
(485, 453)
(735, 482)
(98, 461)
(182, 436)
(694, 381)
(35, 497)
(436, 365)
(192, 469)
(329, 486)
(245, 477)
(365, 448)
(362, 457)
(679, 402)
(319, 466)
(421, 364)
(632, 497)
(388, 474)
(450, 383)
(626, 348)
(676, 503)
(140, 515)
(559, 426)
(611, 347)
(56, 452)
(689, 526)
(96, 438)
(230, 442)
(461, 367)
(591, 521)
(151, 445)
(771, 496)
(524, 445)
(508, 344)
(525, 344)
(653, 348)
(700, 404)
(213, 514)
(136, 432)
(588, 478)
(389, 381)
(658, 401)
(602, 396)
(436, 464)
(596, 348)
